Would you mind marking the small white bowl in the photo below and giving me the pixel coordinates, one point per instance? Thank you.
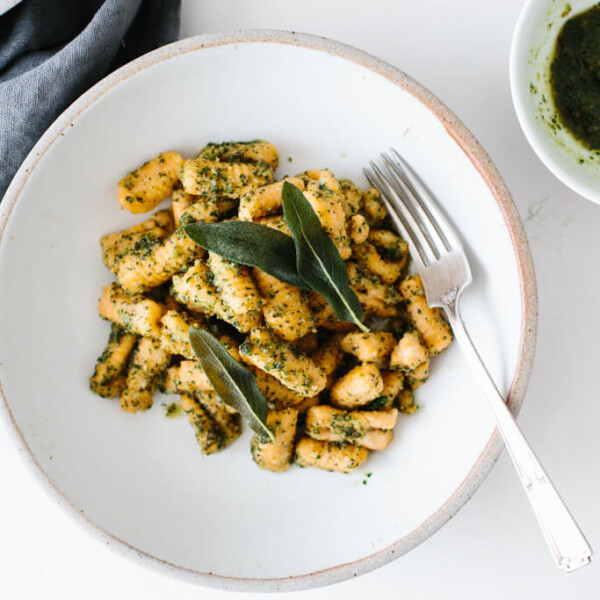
(531, 53)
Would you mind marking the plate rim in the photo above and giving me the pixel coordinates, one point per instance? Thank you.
(527, 283)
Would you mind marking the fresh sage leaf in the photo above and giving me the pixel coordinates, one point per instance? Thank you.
(317, 259)
(235, 384)
(376, 404)
(250, 244)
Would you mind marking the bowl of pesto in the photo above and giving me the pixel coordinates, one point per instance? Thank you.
(555, 85)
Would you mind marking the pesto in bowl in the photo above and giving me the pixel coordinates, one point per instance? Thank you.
(575, 76)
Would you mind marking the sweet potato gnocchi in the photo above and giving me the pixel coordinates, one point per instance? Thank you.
(335, 393)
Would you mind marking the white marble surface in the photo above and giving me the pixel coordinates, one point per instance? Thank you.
(492, 549)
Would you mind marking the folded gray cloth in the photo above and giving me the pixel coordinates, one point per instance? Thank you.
(51, 51)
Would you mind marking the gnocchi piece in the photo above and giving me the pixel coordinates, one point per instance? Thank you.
(357, 387)
(194, 290)
(418, 376)
(210, 434)
(276, 456)
(393, 384)
(180, 202)
(116, 245)
(186, 377)
(114, 388)
(377, 439)
(385, 254)
(294, 369)
(172, 304)
(285, 307)
(371, 429)
(226, 417)
(325, 195)
(277, 394)
(376, 419)
(406, 402)
(323, 315)
(375, 297)
(330, 355)
(150, 265)
(358, 229)
(352, 200)
(174, 334)
(231, 345)
(373, 206)
(106, 380)
(237, 291)
(207, 209)
(373, 347)
(148, 362)
(277, 222)
(253, 152)
(202, 177)
(368, 256)
(309, 343)
(390, 247)
(164, 219)
(344, 458)
(435, 332)
(408, 353)
(146, 187)
(265, 200)
(135, 313)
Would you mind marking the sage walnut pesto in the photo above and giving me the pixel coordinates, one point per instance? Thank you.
(574, 76)
(334, 392)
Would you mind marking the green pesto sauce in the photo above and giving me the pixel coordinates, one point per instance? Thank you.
(575, 76)
(173, 410)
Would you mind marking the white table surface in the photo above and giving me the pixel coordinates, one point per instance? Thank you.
(492, 549)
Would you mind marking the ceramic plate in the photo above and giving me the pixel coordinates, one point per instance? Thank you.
(140, 480)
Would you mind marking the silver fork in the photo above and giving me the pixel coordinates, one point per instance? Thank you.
(445, 272)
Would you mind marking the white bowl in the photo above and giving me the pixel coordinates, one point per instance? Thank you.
(531, 53)
(140, 481)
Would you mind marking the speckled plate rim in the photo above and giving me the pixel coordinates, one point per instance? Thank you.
(481, 161)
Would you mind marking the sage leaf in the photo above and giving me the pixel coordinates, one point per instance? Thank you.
(317, 259)
(376, 404)
(250, 244)
(235, 384)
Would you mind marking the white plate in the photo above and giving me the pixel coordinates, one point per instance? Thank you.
(141, 480)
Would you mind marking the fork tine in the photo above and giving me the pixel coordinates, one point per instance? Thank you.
(429, 204)
(413, 204)
(399, 214)
(403, 227)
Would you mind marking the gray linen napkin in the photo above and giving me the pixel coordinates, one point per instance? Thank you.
(51, 51)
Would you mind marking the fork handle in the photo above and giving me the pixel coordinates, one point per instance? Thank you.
(567, 543)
